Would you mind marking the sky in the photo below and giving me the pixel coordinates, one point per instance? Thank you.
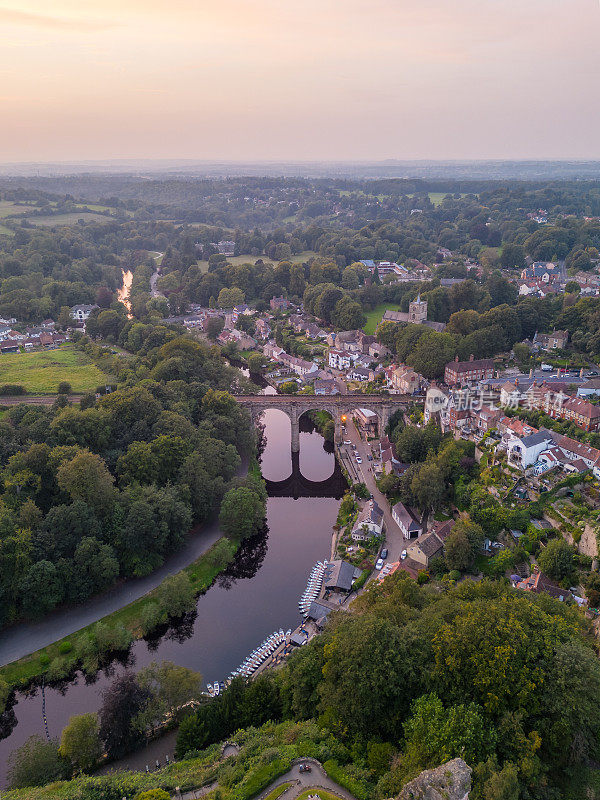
(308, 80)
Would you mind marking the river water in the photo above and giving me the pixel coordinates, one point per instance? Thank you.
(259, 595)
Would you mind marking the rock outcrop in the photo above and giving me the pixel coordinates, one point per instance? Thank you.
(450, 781)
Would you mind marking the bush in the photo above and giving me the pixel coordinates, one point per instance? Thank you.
(65, 647)
(12, 388)
(256, 781)
(454, 575)
(339, 775)
(44, 659)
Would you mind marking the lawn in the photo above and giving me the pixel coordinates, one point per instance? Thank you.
(72, 218)
(278, 791)
(41, 372)
(374, 317)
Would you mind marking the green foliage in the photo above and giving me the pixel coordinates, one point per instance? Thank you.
(80, 741)
(242, 704)
(434, 734)
(35, 763)
(556, 559)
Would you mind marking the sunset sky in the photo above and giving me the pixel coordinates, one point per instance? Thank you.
(316, 79)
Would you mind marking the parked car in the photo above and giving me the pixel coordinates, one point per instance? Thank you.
(348, 442)
(384, 553)
(403, 555)
(358, 460)
(305, 768)
(379, 563)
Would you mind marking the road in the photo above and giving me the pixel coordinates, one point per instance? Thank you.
(155, 276)
(303, 781)
(395, 541)
(35, 399)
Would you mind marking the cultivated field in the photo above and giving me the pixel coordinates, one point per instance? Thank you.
(41, 372)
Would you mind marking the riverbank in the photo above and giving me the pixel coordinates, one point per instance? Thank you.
(58, 657)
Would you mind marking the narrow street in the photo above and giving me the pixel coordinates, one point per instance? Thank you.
(394, 540)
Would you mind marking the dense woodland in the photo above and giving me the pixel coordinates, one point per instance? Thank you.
(416, 676)
(109, 488)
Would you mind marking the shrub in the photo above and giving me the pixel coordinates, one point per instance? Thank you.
(44, 659)
(12, 388)
(454, 575)
(65, 647)
(339, 775)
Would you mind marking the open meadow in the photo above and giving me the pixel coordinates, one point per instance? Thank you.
(41, 372)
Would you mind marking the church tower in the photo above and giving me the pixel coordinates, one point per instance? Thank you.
(417, 311)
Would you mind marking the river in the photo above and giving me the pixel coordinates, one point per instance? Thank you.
(125, 290)
(258, 596)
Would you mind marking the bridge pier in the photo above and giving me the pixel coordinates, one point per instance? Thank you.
(295, 421)
(384, 418)
(337, 436)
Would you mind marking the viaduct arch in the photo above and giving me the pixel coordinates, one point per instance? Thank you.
(337, 405)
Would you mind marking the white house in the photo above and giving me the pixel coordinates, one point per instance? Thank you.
(82, 312)
(339, 359)
(523, 451)
(368, 523)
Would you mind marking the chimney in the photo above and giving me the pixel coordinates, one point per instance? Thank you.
(531, 373)
(471, 357)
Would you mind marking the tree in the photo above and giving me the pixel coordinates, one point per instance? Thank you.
(170, 687)
(86, 477)
(80, 741)
(348, 314)
(242, 513)
(256, 363)
(429, 487)
(435, 734)
(41, 589)
(175, 595)
(458, 552)
(214, 326)
(228, 298)
(36, 763)
(122, 701)
(64, 387)
(154, 794)
(288, 387)
(556, 559)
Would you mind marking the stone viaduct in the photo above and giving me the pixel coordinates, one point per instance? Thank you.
(339, 406)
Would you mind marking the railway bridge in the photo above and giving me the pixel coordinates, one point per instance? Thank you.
(339, 406)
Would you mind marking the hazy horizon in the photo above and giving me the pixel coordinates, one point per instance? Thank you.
(363, 80)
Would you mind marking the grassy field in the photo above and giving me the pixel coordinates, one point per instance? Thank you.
(374, 317)
(71, 218)
(41, 372)
(8, 208)
(6, 231)
(235, 260)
